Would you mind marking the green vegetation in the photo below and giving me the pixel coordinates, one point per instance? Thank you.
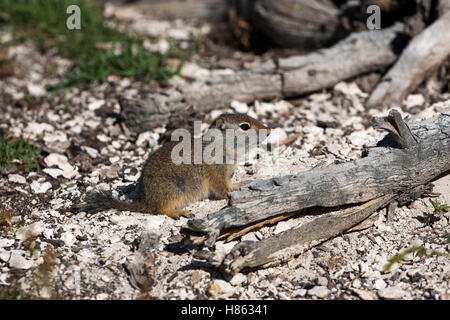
(439, 208)
(98, 49)
(399, 257)
(8, 293)
(21, 150)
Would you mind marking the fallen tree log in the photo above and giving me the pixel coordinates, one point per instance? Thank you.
(357, 54)
(423, 55)
(422, 153)
(293, 23)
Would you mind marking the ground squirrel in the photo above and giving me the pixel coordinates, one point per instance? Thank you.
(165, 187)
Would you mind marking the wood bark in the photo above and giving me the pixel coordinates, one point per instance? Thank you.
(371, 182)
(423, 55)
(301, 24)
(357, 54)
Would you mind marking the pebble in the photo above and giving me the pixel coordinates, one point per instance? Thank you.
(322, 281)
(54, 173)
(17, 178)
(276, 136)
(36, 90)
(93, 153)
(147, 138)
(68, 238)
(365, 295)
(38, 187)
(299, 293)
(238, 279)
(153, 223)
(17, 261)
(379, 284)
(96, 104)
(194, 71)
(38, 128)
(319, 291)
(124, 221)
(358, 138)
(4, 255)
(31, 231)
(262, 108)
(4, 243)
(392, 293)
(220, 289)
(102, 296)
(61, 161)
(239, 107)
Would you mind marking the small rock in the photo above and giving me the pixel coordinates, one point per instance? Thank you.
(153, 223)
(116, 145)
(54, 159)
(38, 187)
(299, 293)
(239, 107)
(238, 279)
(115, 239)
(31, 231)
(17, 178)
(124, 221)
(194, 71)
(4, 243)
(103, 138)
(358, 138)
(102, 296)
(96, 105)
(147, 138)
(322, 281)
(392, 293)
(282, 106)
(54, 173)
(36, 90)
(68, 238)
(57, 140)
(319, 291)
(365, 295)
(282, 226)
(59, 160)
(93, 153)
(276, 136)
(38, 128)
(4, 255)
(263, 108)
(379, 284)
(414, 100)
(18, 261)
(220, 289)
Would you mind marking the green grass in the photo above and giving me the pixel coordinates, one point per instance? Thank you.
(399, 257)
(7, 293)
(44, 22)
(25, 154)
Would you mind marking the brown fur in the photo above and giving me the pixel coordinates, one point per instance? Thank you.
(165, 187)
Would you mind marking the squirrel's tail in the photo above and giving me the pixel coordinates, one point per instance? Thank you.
(102, 200)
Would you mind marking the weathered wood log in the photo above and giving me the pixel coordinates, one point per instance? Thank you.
(300, 24)
(186, 9)
(359, 53)
(423, 55)
(369, 182)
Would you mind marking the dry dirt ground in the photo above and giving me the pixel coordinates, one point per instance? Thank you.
(51, 252)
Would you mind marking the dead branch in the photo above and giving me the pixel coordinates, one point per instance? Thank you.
(359, 53)
(370, 182)
(418, 61)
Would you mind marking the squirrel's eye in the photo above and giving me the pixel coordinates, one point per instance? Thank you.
(244, 126)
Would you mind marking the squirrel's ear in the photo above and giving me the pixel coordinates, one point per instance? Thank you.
(220, 124)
